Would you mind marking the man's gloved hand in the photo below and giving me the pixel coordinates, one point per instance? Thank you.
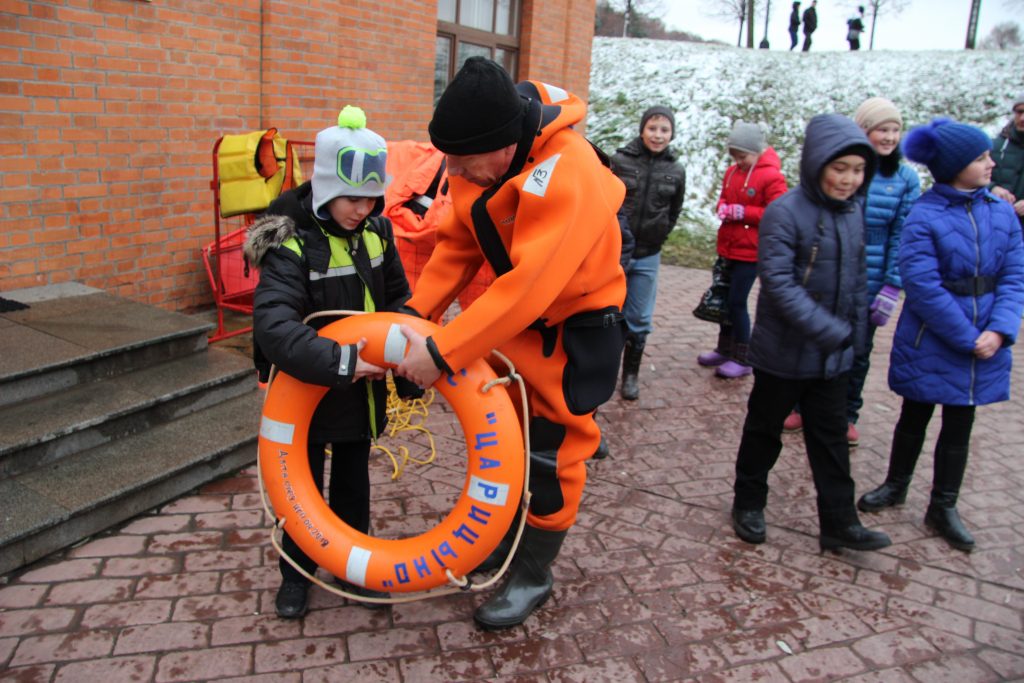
(884, 305)
(723, 211)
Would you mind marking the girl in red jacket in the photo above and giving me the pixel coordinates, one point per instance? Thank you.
(750, 184)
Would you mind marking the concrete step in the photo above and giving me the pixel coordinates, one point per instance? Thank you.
(39, 432)
(65, 501)
(73, 334)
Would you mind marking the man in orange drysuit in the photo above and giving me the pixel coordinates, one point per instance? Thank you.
(535, 199)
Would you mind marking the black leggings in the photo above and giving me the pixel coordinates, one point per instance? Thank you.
(957, 422)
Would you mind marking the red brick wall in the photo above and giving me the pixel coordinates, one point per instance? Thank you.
(556, 43)
(109, 110)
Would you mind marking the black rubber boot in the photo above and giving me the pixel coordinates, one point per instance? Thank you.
(602, 451)
(632, 355)
(902, 459)
(529, 582)
(842, 529)
(942, 515)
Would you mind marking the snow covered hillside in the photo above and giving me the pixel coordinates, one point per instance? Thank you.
(711, 86)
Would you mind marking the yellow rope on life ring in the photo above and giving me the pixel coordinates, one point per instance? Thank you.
(407, 416)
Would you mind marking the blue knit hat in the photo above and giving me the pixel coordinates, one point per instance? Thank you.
(945, 147)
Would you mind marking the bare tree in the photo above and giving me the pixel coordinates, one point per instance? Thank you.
(1004, 36)
(631, 8)
(883, 7)
(735, 10)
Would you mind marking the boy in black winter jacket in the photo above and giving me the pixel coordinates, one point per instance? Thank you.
(323, 246)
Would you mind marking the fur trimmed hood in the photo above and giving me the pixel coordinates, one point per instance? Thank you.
(266, 234)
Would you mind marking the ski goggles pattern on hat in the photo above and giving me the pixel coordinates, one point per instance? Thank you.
(357, 166)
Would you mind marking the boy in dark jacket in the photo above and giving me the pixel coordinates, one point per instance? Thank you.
(655, 185)
(324, 247)
(811, 316)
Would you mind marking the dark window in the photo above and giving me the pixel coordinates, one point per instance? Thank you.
(465, 28)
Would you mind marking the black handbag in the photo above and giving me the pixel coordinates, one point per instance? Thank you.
(714, 301)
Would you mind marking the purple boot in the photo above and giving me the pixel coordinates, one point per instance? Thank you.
(711, 359)
(722, 350)
(735, 366)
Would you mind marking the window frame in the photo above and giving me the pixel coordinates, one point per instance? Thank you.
(457, 33)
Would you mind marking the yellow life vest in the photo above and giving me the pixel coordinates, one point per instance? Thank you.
(252, 169)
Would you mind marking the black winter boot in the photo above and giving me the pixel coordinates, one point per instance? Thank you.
(632, 355)
(529, 582)
(902, 459)
(292, 599)
(842, 529)
(942, 516)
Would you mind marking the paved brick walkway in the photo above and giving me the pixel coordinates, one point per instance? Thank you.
(651, 585)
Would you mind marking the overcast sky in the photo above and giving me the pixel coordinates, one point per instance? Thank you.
(924, 25)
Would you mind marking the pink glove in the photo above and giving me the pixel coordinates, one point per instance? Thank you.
(884, 305)
(730, 212)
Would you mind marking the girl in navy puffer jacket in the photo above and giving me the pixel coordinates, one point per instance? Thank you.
(810, 319)
(962, 265)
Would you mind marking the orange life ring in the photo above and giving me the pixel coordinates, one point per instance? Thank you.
(485, 510)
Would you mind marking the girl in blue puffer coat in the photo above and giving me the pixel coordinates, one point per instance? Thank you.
(892, 192)
(962, 265)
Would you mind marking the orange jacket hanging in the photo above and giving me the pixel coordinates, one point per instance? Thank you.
(556, 219)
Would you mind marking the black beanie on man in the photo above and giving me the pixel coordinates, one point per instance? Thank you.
(480, 111)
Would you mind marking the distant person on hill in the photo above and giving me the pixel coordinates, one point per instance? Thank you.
(892, 192)
(324, 246)
(810, 322)
(810, 23)
(962, 264)
(854, 27)
(750, 184)
(1008, 153)
(794, 25)
(655, 184)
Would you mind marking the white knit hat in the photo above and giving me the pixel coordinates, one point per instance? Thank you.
(350, 161)
(875, 111)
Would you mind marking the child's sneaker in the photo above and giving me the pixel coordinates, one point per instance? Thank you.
(852, 435)
(711, 359)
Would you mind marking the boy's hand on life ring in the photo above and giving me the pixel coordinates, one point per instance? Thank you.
(366, 369)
